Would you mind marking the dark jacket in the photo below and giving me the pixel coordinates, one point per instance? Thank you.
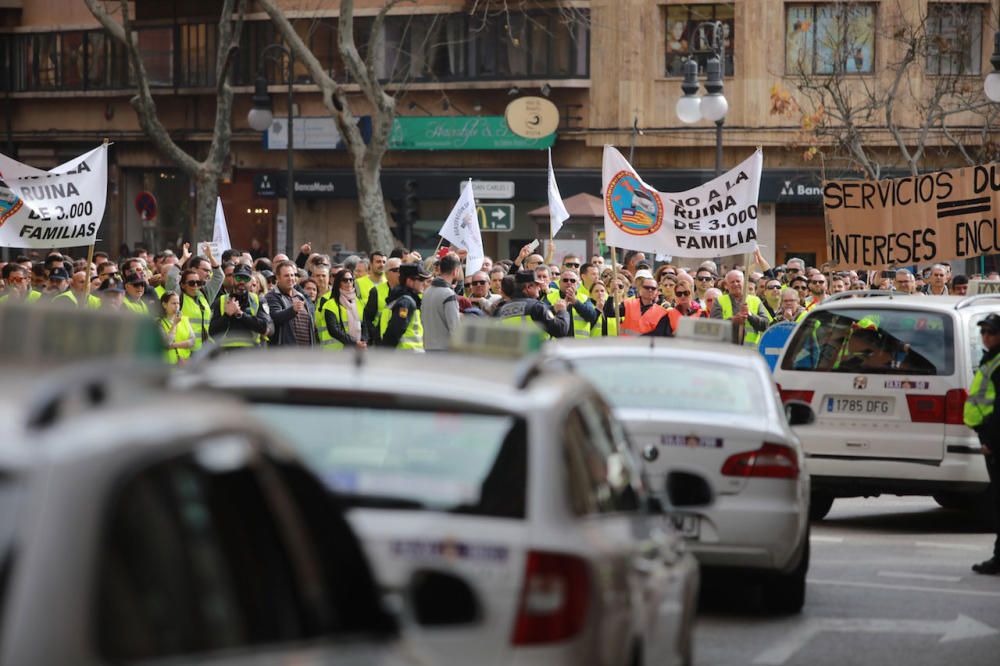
(282, 315)
(338, 329)
(989, 431)
(402, 303)
(223, 323)
(556, 325)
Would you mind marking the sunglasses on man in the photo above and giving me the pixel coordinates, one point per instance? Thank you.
(195, 283)
(242, 279)
(478, 283)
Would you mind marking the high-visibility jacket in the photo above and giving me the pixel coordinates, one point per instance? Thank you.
(199, 313)
(327, 341)
(364, 287)
(581, 327)
(159, 290)
(31, 297)
(184, 331)
(638, 323)
(750, 336)
(604, 327)
(240, 338)
(413, 336)
(138, 307)
(982, 394)
(93, 302)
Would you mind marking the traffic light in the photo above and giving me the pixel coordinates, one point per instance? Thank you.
(411, 204)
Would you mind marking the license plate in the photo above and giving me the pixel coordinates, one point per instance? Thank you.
(842, 404)
(691, 441)
(689, 526)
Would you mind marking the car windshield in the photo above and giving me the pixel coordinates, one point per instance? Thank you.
(450, 461)
(874, 341)
(651, 383)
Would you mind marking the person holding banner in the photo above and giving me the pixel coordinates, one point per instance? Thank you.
(746, 311)
(78, 294)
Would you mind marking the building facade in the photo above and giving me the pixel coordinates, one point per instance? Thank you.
(611, 68)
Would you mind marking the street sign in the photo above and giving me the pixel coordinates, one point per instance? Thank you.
(489, 189)
(773, 341)
(496, 217)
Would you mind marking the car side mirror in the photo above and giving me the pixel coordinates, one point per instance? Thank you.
(799, 413)
(442, 599)
(688, 490)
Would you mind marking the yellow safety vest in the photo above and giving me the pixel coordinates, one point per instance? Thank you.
(93, 302)
(581, 328)
(327, 341)
(413, 336)
(982, 394)
(199, 313)
(138, 307)
(30, 298)
(364, 287)
(750, 336)
(597, 331)
(241, 338)
(183, 332)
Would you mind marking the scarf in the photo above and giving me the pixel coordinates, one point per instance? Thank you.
(348, 300)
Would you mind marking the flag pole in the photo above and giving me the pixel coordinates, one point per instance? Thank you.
(90, 257)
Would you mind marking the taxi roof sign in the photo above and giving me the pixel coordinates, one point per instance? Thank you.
(37, 334)
(709, 330)
(490, 337)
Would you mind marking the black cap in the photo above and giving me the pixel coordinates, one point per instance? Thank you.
(525, 277)
(111, 285)
(135, 277)
(268, 275)
(991, 323)
(58, 274)
(411, 271)
(242, 269)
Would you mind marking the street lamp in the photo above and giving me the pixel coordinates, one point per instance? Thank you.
(992, 83)
(713, 106)
(260, 117)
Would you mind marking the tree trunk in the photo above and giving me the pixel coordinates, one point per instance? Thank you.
(371, 207)
(207, 193)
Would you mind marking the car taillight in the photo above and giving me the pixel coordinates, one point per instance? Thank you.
(771, 461)
(947, 408)
(554, 598)
(793, 394)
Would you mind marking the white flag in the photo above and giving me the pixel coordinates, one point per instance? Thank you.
(220, 234)
(461, 229)
(717, 218)
(557, 210)
(59, 208)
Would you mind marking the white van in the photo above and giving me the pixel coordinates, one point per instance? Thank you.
(887, 377)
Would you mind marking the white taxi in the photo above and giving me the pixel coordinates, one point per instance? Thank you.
(887, 377)
(713, 407)
(510, 488)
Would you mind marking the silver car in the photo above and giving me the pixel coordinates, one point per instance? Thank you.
(713, 408)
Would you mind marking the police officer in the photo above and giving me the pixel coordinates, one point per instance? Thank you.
(238, 320)
(525, 306)
(400, 325)
(979, 414)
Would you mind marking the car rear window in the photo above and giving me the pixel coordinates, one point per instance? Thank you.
(653, 383)
(873, 341)
(449, 461)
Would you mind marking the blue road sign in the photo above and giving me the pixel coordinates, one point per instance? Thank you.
(773, 341)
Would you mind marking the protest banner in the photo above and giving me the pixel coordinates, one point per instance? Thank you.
(719, 217)
(923, 219)
(59, 208)
(461, 229)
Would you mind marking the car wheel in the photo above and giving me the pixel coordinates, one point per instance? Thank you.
(819, 505)
(785, 593)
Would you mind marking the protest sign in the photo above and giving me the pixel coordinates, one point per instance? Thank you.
(923, 219)
(719, 217)
(59, 208)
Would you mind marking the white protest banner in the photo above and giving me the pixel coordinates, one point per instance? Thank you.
(719, 217)
(220, 233)
(59, 208)
(461, 229)
(557, 209)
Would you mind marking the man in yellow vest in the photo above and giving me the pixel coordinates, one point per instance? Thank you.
(746, 311)
(18, 283)
(378, 296)
(400, 324)
(77, 295)
(376, 276)
(980, 415)
(238, 320)
(582, 313)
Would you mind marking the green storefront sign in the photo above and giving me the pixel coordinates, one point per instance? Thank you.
(460, 133)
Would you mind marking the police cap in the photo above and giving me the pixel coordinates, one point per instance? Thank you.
(412, 271)
(525, 277)
(111, 285)
(990, 324)
(58, 274)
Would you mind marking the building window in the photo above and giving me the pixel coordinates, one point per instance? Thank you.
(684, 37)
(955, 38)
(156, 48)
(198, 46)
(829, 38)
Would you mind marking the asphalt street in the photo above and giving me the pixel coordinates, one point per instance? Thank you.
(889, 583)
